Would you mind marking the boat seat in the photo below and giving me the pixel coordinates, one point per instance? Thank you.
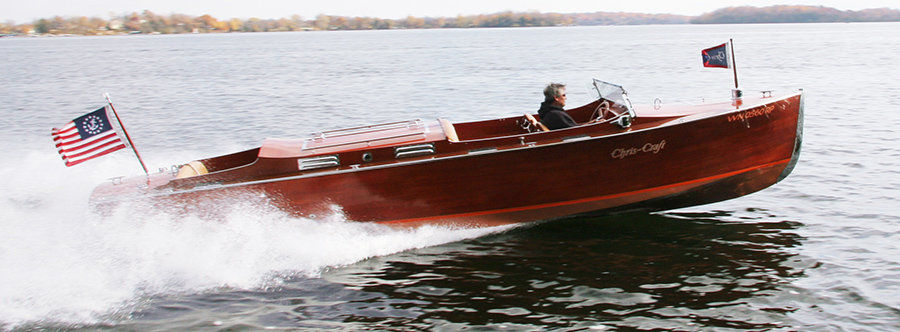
(449, 130)
(190, 169)
(535, 123)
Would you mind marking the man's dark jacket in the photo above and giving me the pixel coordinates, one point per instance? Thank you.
(554, 117)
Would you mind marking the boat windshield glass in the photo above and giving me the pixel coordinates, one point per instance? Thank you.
(612, 92)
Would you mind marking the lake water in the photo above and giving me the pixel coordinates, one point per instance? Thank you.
(819, 251)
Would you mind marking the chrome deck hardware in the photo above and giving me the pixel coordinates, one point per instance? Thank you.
(318, 162)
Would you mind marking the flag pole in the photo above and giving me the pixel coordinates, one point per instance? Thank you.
(736, 93)
(733, 65)
(127, 137)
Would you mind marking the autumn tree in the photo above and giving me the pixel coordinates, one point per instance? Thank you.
(338, 23)
(414, 22)
(323, 22)
(132, 22)
(235, 25)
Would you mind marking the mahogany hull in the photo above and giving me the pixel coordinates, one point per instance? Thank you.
(690, 159)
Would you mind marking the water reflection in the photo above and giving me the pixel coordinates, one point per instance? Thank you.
(674, 271)
(665, 271)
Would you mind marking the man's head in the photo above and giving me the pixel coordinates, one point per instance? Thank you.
(555, 93)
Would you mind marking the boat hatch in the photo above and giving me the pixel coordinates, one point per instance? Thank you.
(390, 126)
(413, 150)
(357, 138)
(367, 136)
(318, 162)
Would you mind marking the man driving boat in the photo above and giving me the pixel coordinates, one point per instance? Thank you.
(551, 112)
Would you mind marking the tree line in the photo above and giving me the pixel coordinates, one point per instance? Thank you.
(795, 14)
(148, 22)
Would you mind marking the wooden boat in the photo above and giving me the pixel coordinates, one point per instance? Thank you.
(501, 171)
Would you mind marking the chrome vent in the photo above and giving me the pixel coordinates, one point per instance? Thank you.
(576, 138)
(318, 162)
(485, 150)
(413, 150)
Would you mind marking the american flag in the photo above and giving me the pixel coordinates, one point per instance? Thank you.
(87, 137)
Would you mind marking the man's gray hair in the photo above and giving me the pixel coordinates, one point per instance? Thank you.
(553, 90)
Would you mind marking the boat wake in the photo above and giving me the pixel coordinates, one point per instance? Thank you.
(60, 263)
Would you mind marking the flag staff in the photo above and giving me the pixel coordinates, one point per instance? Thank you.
(127, 137)
(736, 93)
(733, 64)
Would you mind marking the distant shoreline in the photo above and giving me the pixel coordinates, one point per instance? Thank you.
(149, 23)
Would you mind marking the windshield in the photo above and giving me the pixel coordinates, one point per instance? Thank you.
(612, 92)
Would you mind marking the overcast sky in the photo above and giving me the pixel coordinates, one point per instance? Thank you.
(25, 11)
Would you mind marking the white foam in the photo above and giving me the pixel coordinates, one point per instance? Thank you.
(60, 262)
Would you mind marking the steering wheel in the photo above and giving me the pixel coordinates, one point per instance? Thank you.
(600, 112)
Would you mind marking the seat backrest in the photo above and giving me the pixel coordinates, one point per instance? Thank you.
(193, 168)
(449, 130)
